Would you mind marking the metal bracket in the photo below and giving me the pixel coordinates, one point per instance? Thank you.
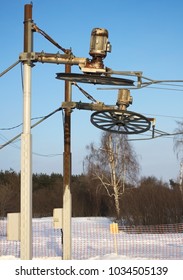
(93, 70)
(87, 106)
(68, 105)
(24, 56)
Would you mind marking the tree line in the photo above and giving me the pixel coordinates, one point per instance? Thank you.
(150, 202)
(110, 187)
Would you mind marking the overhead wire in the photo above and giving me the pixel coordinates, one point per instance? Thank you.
(11, 128)
(47, 155)
(40, 121)
(163, 116)
(9, 68)
(162, 88)
(16, 126)
(151, 81)
(160, 134)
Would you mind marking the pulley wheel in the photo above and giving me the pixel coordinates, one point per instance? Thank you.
(94, 79)
(120, 121)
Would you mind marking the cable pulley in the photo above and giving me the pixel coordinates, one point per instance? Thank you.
(120, 121)
(94, 79)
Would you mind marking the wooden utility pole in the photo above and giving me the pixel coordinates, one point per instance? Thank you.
(67, 212)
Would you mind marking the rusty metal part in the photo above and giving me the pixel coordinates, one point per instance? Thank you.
(96, 63)
(86, 106)
(59, 58)
(99, 45)
(27, 30)
(124, 99)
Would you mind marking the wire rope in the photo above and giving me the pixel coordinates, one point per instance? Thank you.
(40, 121)
(9, 68)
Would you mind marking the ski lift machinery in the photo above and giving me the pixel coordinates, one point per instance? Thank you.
(112, 118)
(115, 119)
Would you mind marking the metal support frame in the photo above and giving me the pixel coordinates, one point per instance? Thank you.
(28, 57)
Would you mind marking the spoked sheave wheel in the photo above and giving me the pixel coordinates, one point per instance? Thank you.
(94, 79)
(120, 121)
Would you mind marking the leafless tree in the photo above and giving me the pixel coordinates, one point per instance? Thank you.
(178, 140)
(114, 163)
(178, 148)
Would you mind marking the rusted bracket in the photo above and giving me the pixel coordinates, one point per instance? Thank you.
(86, 106)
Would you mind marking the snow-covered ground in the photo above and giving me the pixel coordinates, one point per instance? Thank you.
(92, 239)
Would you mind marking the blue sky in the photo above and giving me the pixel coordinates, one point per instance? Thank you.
(145, 36)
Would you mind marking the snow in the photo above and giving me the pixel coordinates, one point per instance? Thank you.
(92, 240)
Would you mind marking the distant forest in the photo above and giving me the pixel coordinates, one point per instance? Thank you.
(151, 202)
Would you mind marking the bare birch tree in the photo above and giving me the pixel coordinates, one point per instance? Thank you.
(113, 163)
(178, 140)
(178, 148)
